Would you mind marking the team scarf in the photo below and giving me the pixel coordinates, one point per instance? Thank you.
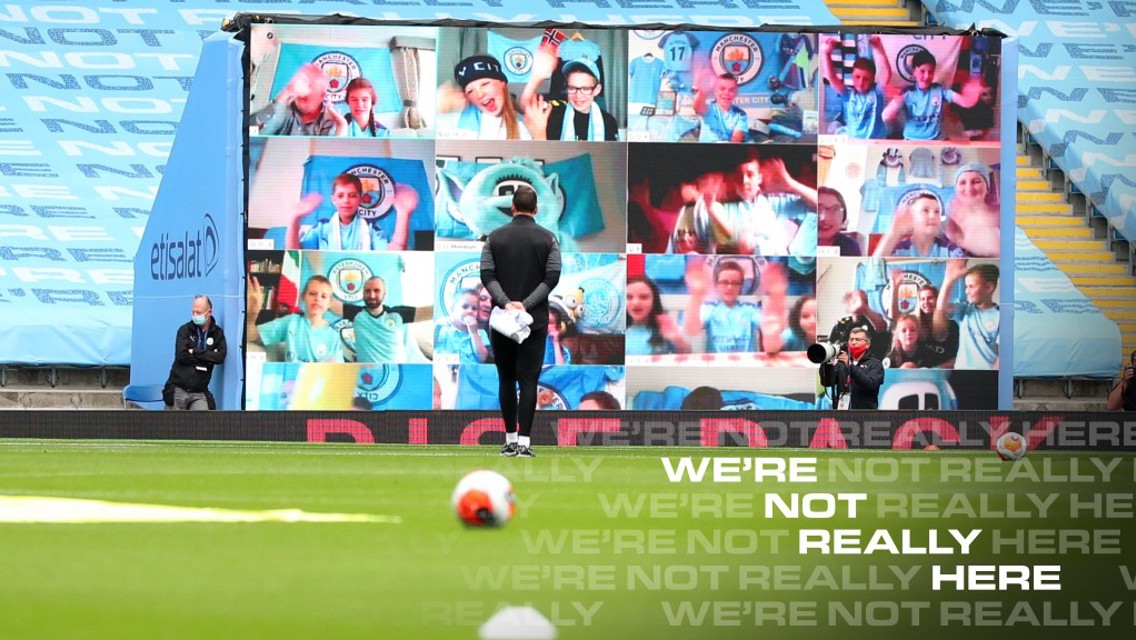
(473, 120)
(362, 232)
(597, 130)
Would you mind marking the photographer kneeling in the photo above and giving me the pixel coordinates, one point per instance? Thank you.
(856, 373)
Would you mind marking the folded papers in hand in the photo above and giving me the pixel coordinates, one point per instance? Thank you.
(511, 323)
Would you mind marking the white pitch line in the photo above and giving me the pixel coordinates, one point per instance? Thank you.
(46, 509)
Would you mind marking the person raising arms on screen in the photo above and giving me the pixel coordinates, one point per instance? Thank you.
(578, 118)
(650, 330)
(722, 120)
(485, 109)
(935, 349)
(923, 103)
(347, 230)
(864, 101)
(730, 324)
(916, 231)
(972, 222)
(979, 326)
(763, 229)
(301, 109)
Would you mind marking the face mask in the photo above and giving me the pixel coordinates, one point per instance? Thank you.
(857, 350)
(199, 320)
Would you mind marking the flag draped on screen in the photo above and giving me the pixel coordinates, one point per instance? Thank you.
(516, 56)
(465, 187)
(348, 271)
(341, 65)
(592, 292)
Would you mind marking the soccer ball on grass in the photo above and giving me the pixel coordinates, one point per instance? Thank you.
(1011, 446)
(484, 498)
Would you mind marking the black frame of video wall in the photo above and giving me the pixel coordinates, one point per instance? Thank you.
(723, 199)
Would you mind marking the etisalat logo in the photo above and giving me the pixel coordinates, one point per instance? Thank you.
(190, 254)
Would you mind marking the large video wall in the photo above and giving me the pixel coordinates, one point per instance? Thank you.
(722, 200)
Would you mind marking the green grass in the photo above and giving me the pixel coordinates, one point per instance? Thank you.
(430, 577)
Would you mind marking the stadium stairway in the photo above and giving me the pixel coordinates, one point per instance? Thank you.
(878, 13)
(1078, 244)
(60, 387)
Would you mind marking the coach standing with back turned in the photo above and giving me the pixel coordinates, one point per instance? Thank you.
(520, 265)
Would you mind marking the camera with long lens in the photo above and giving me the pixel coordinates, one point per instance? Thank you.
(822, 352)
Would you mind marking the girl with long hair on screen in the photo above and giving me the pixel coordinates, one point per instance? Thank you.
(650, 331)
(904, 352)
(361, 101)
(802, 329)
(486, 110)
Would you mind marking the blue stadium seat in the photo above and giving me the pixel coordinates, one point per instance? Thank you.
(146, 396)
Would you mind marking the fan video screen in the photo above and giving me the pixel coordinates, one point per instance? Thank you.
(722, 200)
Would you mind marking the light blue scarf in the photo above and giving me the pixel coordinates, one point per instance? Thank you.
(597, 130)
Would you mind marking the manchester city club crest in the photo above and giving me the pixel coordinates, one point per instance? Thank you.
(464, 275)
(602, 303)
(908, 293)
(339, 68)
(519, 60)
(346, 332)
(903, 60)
(550, 399)
(377, 198)
(377, 383)
(738, 55)
(347, 278)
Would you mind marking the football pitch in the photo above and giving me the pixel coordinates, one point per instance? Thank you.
(607, 542)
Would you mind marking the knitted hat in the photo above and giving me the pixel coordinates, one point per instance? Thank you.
(976, 167)
(476, 68)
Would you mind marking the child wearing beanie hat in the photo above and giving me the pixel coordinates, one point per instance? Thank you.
(488, 112)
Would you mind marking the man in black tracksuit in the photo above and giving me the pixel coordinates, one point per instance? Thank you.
(520, 265)
(200, 345)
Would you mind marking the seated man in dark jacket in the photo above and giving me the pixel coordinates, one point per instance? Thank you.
(199, 347)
